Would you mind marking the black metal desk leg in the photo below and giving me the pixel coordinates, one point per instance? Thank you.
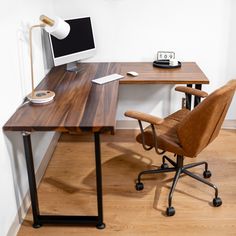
(197, 99)
(188, 98)
(31, 178)
(100, 224)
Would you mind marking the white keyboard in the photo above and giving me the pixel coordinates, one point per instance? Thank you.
(107, 78)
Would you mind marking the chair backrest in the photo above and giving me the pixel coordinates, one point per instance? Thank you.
(202, 125)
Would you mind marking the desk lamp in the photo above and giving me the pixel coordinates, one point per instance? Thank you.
(59, 29)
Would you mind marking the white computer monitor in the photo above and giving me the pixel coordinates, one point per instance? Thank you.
(78, 45)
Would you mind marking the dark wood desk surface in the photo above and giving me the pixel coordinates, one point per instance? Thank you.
(188, 73)
(80, 105)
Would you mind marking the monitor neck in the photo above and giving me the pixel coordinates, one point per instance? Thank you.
(73, 67)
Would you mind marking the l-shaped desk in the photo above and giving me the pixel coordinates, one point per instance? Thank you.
(82, 106)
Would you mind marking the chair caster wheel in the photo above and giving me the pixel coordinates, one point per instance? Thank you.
(206, 174)
(217, 202)
(139, 186)
(164, 166)
(170, 211)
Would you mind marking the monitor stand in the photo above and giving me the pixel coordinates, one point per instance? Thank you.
(72, 67)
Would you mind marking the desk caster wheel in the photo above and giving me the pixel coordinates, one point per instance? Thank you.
(217, 202)
(206, 174)
(36, 226)
(101, 226)
(170, 211)
(164, 166)
(139, 186)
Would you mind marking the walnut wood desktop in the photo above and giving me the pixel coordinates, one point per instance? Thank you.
(80, 106)
(188, 73)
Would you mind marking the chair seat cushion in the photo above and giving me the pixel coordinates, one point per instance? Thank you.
(167, 138)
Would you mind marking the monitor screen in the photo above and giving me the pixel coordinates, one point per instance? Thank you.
(78, 45)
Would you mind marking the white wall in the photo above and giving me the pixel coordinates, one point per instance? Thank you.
(15, 17)
(130, 30)
(231, 54)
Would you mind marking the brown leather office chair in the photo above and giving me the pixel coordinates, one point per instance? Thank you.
(185, 133)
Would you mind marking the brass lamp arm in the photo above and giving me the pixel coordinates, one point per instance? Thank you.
(46, 20)
(31, 53)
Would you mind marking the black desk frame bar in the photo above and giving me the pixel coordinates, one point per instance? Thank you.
(39, 220)
(197, 99)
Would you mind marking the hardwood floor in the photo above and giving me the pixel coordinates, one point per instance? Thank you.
(68, 187)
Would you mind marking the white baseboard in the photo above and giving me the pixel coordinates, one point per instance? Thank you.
(133, 124)
(127, 124)
(22, 211)
(229, 124)
(43, 165)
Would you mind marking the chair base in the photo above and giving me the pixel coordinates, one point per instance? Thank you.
(179, 168)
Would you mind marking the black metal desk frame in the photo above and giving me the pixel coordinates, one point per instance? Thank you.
(38, 219)
(197, 99)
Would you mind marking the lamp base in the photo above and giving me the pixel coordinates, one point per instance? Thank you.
(41, 96)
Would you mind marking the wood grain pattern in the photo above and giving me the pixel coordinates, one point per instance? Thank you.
(80, 105)
(68, 187)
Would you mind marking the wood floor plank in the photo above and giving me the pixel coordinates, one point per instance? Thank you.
(68, 187)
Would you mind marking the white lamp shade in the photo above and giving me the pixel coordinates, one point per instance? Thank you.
(60, 28)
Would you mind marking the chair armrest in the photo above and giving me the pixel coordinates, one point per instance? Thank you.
(144, 117)
(191, 91)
